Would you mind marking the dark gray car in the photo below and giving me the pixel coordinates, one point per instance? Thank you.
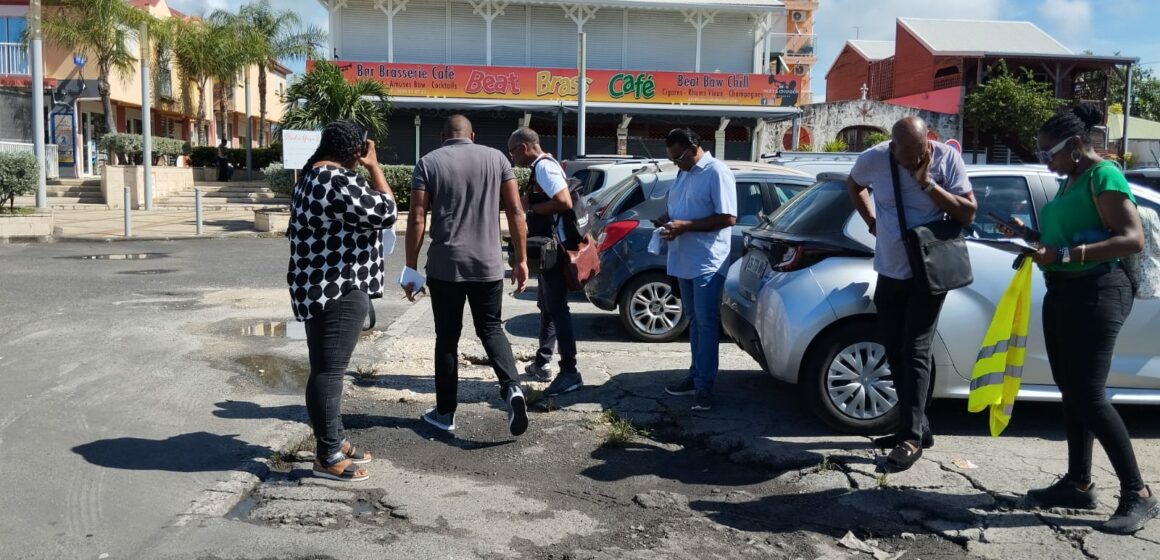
(633, 280)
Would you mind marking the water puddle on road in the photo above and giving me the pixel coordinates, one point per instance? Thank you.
(292, 330)
(119, 257)
(149, 271)
(281, 374)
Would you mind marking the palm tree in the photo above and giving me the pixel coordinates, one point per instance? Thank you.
(199, 49)
(285, 39)
(101, 30)
(328, 97)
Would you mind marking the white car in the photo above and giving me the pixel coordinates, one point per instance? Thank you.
(800, 301)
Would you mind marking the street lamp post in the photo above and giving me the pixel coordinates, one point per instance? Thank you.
(146, 119)
(37, 46)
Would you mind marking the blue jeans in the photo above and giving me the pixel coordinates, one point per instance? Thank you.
(701, 303)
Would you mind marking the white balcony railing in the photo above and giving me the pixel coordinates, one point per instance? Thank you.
(13, 59)
(51, 157)
(793, 44)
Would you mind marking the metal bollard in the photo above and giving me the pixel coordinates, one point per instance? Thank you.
(128, 216)
(197, 208)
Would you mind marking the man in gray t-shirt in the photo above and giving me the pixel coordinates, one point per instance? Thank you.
(463, 185)
(933, 183)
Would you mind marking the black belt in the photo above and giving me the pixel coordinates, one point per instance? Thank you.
(1073, 274)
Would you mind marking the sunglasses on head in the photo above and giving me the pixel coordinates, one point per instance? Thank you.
(1045, 156)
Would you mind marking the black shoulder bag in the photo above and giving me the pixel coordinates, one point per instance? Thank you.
(938, 254)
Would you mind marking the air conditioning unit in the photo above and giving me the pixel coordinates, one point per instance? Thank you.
(799, 16)
(801, 69)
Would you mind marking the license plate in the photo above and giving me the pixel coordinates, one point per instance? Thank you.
(756, 266)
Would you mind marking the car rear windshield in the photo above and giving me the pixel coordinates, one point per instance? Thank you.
(602, 197)
(823, 208)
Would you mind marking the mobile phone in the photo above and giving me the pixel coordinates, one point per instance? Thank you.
(365, 147)
(1008, 223)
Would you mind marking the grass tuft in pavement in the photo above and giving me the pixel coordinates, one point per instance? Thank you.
(365, 372)
(284, 459)
(621, 430)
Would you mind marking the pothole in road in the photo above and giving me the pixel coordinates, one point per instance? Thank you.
(119, 257)
(149, 272)
(281, 374)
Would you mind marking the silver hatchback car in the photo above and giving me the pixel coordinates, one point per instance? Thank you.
(800, 301)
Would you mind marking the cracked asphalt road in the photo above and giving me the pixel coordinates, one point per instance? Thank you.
(758, 477)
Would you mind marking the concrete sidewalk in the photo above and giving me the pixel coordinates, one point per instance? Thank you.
(166, 224)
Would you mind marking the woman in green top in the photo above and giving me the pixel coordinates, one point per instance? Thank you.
(1086, 230)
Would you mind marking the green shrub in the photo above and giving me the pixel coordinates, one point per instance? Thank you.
(835, 145)
(876, 138)
(280, 180)
(19, 172)
(203, 156)
(129, 148)
(398, 176)
(262, 157)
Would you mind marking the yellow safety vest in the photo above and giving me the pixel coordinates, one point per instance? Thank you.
(999, 368)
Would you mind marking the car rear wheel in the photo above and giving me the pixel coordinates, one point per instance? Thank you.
(650, 309)
(848, 383)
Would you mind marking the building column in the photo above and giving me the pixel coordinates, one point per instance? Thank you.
(759, 136)
(335, 16)
(488, 10)
(391, 8)
(622, 135)
(699, 19)
(720, 138)
(762, 25)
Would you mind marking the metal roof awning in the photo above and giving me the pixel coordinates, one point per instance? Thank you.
(534, 106)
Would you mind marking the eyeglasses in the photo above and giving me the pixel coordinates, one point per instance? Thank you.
(682, 156)
(1045, 156)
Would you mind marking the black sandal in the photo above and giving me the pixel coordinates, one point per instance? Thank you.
(351, 473)
(904, 455)
(356, 455)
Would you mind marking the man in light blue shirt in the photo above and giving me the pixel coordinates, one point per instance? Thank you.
(702, 208)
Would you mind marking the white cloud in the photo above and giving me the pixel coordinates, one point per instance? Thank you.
(1071, 19)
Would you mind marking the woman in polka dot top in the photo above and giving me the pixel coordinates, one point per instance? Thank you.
(336, 268)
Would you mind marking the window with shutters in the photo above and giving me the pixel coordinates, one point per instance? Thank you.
(660, 41)
(421, 33)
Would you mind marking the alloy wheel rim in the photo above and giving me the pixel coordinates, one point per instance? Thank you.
(655, 309)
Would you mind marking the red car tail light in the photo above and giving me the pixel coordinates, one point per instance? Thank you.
(615, 232)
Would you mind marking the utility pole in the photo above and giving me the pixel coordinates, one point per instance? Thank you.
(249, 131)
(146, 118)
(582, 96)
(37, 45)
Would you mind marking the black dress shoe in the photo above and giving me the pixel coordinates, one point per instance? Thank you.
(904, 456)
(890, 442)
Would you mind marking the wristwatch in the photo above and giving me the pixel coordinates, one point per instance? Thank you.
(930, 185)
(1064, 255)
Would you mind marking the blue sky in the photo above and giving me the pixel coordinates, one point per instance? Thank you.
(1104, 26)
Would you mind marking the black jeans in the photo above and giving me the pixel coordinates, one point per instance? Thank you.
(330, 338)
(555, 319)
(907, 317)
(486, 301)
(1082, 317)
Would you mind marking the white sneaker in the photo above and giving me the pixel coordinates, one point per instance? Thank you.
(517, 411)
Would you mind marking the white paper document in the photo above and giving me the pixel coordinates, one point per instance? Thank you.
(412, 277)
(389, 240)
(656, 243)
